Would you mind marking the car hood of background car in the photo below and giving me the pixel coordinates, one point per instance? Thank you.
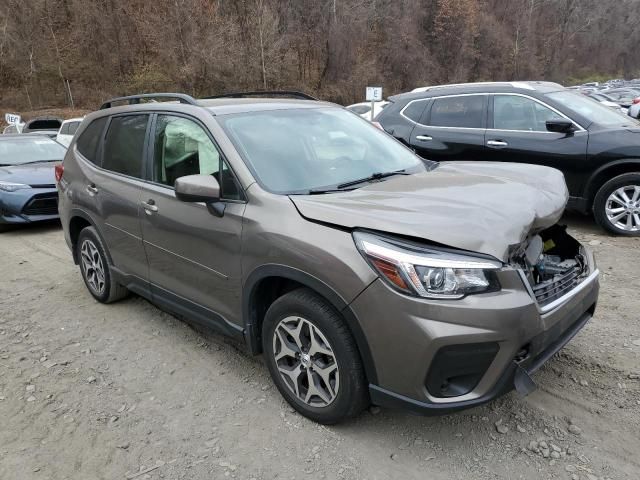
(31, 174)
(482, 207)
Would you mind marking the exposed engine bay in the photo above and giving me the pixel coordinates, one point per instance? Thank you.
(553, 262)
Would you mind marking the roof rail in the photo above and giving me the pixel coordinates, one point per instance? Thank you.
(134, 99)
(266, 93)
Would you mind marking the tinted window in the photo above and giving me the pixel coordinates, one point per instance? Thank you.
(88, 142)
(513, 112)
(64, 129)
(414, 110)
(72, 127)
(182, 147)
(124, 144)
(463, 111)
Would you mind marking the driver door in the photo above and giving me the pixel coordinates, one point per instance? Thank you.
(517, 132)
(193, 254)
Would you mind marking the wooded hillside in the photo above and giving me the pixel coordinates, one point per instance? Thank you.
(331, 48)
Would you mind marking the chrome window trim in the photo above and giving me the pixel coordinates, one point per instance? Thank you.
(437, 97)
(580, 127)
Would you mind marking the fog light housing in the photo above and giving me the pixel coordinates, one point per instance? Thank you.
(457, 369)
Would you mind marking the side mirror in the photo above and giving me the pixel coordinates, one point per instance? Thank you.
(560, 125)
(197, 188)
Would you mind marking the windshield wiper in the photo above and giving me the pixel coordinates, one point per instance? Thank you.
(344, 187)
(370, 178)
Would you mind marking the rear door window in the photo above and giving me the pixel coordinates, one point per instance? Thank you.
(464, 111)
(89, 140)
(124, 145)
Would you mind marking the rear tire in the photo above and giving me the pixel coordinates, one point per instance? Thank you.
(95, 268)
(307, 339)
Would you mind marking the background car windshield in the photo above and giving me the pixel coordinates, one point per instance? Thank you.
(293, 151)
(16, 152)
(591, 109)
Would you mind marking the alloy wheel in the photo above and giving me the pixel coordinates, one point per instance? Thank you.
(92, 266)
(623, 208)
(306, 361)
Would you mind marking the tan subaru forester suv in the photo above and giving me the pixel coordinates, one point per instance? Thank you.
(361, 272)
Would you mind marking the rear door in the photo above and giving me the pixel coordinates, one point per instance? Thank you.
(194, 254)
(110, 189)
(517, 132)
(451, 128)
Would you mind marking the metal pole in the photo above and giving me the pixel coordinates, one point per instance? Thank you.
(70, 96)
(373, 102)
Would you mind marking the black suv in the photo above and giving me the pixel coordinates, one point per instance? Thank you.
(596, 148)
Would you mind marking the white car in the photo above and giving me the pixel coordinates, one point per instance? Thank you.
(364, 109)
(67, 130)
(634, 110)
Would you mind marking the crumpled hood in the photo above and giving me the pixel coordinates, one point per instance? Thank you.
(32, 174)
(484, 207)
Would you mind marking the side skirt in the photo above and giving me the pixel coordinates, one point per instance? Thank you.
(189, 311)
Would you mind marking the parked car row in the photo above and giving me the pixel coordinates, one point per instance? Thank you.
(618, 94)
(61, 130)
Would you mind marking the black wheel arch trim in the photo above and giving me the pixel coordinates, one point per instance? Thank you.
(591, 190)
(252, 332)
(77, 212)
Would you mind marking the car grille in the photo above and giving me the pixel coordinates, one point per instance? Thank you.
(547, 292)
(43, 204)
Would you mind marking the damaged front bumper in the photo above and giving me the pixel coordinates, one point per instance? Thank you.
(501, 338)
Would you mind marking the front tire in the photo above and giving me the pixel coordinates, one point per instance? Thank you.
(616, 206)
(95, 268)
(313, 359)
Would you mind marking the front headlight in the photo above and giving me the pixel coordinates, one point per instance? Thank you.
(12, 187)
(427, 272)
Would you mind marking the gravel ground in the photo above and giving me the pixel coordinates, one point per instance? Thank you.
(125, 391)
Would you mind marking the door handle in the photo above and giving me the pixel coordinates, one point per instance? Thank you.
(424, 138)
(497, 143)
(149, 206)
(92, 190)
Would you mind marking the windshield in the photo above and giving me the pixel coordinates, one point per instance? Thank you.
(295, 151)
(590, 109)
(19, 151)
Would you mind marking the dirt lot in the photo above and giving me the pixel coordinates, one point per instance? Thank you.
(91, 391)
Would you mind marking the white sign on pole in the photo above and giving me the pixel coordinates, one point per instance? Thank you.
(12, 118)
(374, 94)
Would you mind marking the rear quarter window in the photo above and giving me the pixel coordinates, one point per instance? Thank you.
(89, 140)
(413, 111)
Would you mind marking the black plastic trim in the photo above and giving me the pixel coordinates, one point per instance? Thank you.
(265, 93)
(190, 311)
(135, 99)
(252, 329)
